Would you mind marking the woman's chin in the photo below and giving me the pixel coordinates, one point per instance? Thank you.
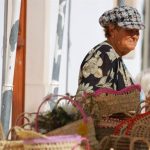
(126, 51)
(131, 46)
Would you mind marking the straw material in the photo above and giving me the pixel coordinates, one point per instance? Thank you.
(108, 102)
(78, 127)
(115, 142)
(84, 127)
(22, 134)
(109, 122)
(124, 143)
(141, 130)
(50, 143)
(11, 145)
(106, 127)
(136, 126)
(54, 146)
(105, 102)
(36, 141)
(121, 128)
(140, 127)
(68, 142)
(139, 144)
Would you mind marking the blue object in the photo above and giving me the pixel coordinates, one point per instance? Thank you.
(142, 95)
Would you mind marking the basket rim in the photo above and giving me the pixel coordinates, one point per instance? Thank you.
(112, 91)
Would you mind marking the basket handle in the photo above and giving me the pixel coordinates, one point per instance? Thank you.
(23, 116)
(49, 97)
(116, 142)
(136, 127)
(140, 107)
(105, 142)
(135, 139)
(125, 90)
(146, 106)
(60, 139)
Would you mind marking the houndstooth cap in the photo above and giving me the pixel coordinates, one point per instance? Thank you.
(124, 16)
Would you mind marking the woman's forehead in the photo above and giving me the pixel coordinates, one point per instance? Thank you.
(127, 29)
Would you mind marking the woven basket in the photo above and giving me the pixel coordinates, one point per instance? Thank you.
(140, 127)
(141, 130)
(11, 145)
(106, 127)
(125, 127)
(115, 142)
(22, 134)
(139, 144)
(84, 127)
(25, 120)
(124, 143)
(108, 102)
(105, 102)
(68, 142)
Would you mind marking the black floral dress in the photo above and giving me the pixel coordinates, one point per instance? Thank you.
(102, 67)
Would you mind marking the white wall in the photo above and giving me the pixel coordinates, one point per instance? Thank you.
(38, 51)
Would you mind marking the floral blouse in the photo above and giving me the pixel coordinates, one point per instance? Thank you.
(103, 68)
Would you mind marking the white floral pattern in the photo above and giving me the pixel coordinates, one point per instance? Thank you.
(93, 67)
(84, 87)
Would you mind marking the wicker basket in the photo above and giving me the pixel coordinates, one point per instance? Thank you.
(11, 145)
(108, 142)
(105, 102)
(139, 144)
(141, 130)
(78, 127)
(106, 127)
(124, 143)
(84, 127)
(68, 142)
(140, 127)
(139, 121)
(22, 134)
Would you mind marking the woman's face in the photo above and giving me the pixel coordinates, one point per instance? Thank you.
(124, 40)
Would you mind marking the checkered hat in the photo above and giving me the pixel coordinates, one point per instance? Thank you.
(124, 16)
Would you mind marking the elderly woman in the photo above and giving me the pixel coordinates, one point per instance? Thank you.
(103, 66)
